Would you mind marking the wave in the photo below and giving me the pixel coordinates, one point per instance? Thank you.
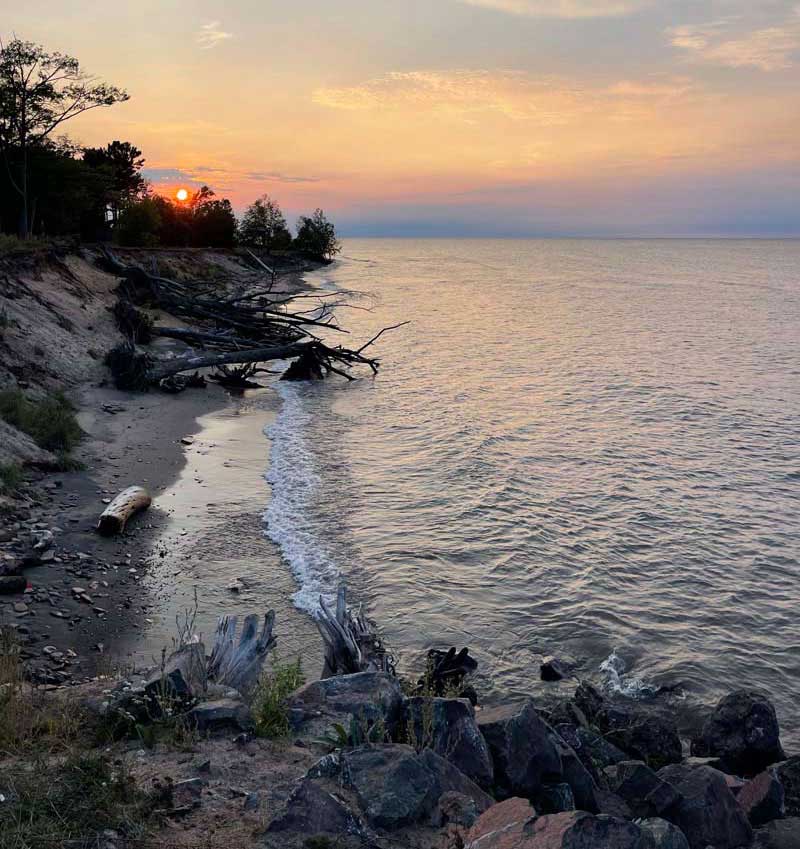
(295, 482)
(616, 681)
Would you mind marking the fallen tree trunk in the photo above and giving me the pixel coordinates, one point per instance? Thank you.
(352, 642)
(130, 501)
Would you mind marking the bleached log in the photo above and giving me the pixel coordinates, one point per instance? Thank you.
(239, 666)
(130, 501)
(352, 642)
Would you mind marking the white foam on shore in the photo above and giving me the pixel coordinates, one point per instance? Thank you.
(616, 681)
(289, 517)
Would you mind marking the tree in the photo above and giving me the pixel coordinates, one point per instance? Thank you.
(139, 223)
(122, 162)
(316, 236)
(264, 226)
(39, 91)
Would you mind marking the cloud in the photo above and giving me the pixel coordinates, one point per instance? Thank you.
(563, 8)
(210, 35)
(210, 174)
(767, 49)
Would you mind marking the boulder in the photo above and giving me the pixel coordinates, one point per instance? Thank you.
(314, 809)
(780, 834)
(555, 669)
(594, 751)
(761, 799)
(455, 809)
(522, 748)
(453, 733)
(788, 772)
(612, 805)
(662, 834)
(368, 696)
(742, 732)
(221, 713)
(396, 786)
(645, 793)
(643, 735)
(577, 777)
(707, 812)
(182, 679)
(579, 830)
(502, 826)
(589, 700)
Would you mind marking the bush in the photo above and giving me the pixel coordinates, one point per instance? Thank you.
(51, 422)
(10, 477)
(269, 701)
(316, 237)
(139, 224)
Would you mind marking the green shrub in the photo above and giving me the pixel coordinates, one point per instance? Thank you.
(269, 700)
(51, 422)
(10, 477)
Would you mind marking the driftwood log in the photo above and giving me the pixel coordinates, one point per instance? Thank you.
(130, 501)
(239, 665)
(352, 642)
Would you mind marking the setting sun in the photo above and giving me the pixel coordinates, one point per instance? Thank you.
(182, 195)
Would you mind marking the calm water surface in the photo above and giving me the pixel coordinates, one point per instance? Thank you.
(578, 446)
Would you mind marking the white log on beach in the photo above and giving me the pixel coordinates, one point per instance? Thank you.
(352, 642)
(130, 501)
(239, 666)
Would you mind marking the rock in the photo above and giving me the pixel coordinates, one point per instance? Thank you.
(221, 713)
(780, 834)
(183, 677)
(644, 792)
(589, 700)
(396, 786)
(555, 798)
(450, 725)
(367, 696)
(186, 794)
(788, 772)
(577, 778)
(575, 830)
(644, 736)
(612, 805)
(662, 834)
(761, 799)
(10, 584)
(455, 809)
(251, 802)
(595, 752)
(522, 748)
(502, 826)
(708, 813)
(313, 809)
(742, 732)
(553, 669)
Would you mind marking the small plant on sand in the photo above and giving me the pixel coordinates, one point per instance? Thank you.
(10, 477)
(269, 699)
(50, 422)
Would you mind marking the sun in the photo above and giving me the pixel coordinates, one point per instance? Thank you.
(182, 195)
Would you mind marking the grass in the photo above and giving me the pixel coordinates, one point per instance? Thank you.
(269, 700)
(50, 422)
(14, 246)
(10, 477)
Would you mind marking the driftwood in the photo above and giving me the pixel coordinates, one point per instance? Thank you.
(239, 665)
(352, 642)
(446, 674)
(130, 501)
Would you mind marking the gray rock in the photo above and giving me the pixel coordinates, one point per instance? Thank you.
(643, 735)
(221, 713)
(368, 696)
(589, 700)
(450, 725)
(395, 786)
(788, 772)
(182, 679)
(455, 809)
(708, 813)
(524, 754)
(663, 834)
(555, 798)
(780, 834)
(761, 799)
(556, 669)
(742, 732)
(314, 809)
(645, 793)
(577, 777)
(579, 830)
(595, 752)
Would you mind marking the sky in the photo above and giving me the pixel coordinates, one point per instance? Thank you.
(456, 117)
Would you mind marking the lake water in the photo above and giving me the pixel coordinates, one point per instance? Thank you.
(582, 447)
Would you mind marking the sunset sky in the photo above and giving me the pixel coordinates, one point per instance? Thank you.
(456, 117)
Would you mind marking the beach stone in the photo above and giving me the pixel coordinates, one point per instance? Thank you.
(612, 805)
(221, 713)
(742, 732)
(396, 786)
(761, 799)
(522, 747)
(589, 700)
(645, 793)
(454, 734)
(579, 830)
(555, 798)
(779, 834)
(577, 777)
(707, 812)
(502, 826)
(555, 669)
(662, 834)
(594, 751)
(315, 809)
(455, 809)
(644, 736)
(788, 772)
(367, 696)
(182, 678)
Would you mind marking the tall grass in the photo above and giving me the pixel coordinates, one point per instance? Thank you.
(50, 422)
(269, 699)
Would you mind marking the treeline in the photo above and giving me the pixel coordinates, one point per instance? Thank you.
(50, 186)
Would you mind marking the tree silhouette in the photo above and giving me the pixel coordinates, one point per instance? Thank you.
(263, 226)
(316, 236)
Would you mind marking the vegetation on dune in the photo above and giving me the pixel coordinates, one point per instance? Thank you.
(269, 700)
(10, 477)
(50, 422)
